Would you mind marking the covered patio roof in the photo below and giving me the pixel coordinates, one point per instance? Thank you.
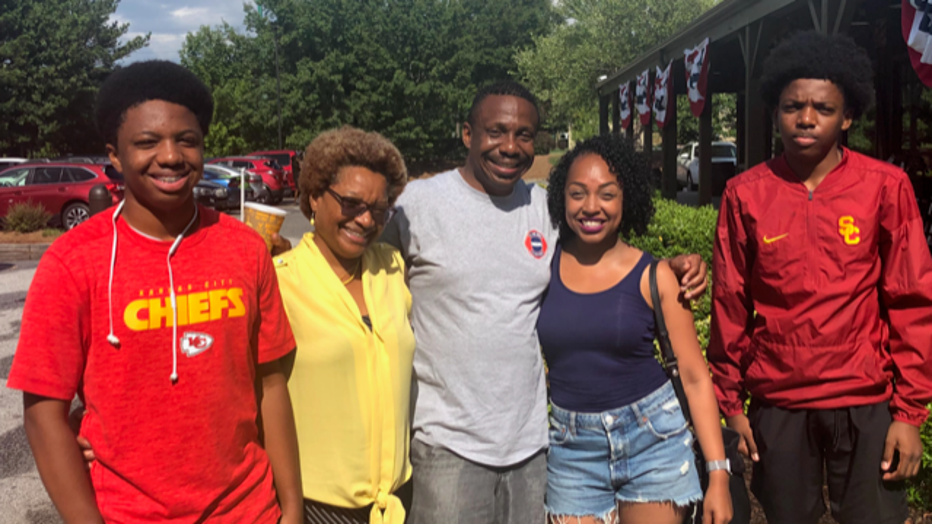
(741, 34)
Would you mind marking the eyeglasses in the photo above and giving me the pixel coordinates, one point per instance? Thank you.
(354, 207)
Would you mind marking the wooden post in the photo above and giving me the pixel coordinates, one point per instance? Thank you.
(669, 185)
(603, 115)
(616, 113)
(705, 151)
(739, 130)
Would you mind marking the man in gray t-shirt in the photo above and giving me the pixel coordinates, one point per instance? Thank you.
(478, 244)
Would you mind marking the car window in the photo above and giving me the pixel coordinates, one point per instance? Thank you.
(14, 177)
(211, 174)
(723, 151)
(46, 175)
(283, 160)
(76, 174)
(242, 163)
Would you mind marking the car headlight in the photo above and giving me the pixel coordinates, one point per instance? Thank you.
(220, 193)
(198, 191)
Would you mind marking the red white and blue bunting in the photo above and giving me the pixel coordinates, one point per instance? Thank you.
(624, 97)
(663, 95)
(917, 32)
(697, 76)
(642, 97)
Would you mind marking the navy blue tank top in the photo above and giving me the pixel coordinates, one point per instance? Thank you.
(599, 347)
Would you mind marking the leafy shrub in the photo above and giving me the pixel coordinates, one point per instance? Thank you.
(919, 489)
(26, 217)
(678, 229)
(544, 143)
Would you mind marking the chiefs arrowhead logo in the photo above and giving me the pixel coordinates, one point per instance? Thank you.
(193, 344)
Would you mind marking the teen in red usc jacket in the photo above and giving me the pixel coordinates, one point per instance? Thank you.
(822, 304)
(835, 276)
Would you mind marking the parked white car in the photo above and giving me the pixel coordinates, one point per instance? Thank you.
(9, 162)
(688, 157)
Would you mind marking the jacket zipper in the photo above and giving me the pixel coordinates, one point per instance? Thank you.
(813, 246)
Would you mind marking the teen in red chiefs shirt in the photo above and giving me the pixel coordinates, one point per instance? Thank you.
(170, 392)
(822, 304)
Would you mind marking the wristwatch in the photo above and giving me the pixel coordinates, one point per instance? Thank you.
(715, 465)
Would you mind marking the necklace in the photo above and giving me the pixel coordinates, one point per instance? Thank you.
(352, 275)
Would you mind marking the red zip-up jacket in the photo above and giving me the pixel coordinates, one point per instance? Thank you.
(822, 299)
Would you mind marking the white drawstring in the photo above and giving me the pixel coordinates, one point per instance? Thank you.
(171, 283)
(112, 338)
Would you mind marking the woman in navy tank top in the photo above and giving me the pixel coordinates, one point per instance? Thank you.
(620, 449)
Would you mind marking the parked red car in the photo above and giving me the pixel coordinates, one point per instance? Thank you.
(289, 160)
(61, 187)
(272, 174)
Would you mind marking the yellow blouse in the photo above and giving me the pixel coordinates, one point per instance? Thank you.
(350, 386)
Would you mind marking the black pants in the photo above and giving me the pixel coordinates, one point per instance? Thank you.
(799, 448)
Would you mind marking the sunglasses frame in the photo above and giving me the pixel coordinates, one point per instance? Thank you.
(357, 207)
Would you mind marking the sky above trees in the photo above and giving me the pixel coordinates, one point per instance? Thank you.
(170, 20)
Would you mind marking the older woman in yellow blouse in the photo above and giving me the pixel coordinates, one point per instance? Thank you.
(348, 305)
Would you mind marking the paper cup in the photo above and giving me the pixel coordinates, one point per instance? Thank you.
(267, 220)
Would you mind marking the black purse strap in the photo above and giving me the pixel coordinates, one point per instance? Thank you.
(666, 349)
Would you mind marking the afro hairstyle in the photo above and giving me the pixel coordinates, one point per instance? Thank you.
(140, 82)
(629, 167)
(506, 88)
(812, 55)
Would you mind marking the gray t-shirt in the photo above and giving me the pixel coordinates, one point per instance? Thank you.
(478, 266)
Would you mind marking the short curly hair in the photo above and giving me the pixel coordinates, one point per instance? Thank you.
(140, 82)
(348, 146)
(627, 164)
(812, 55)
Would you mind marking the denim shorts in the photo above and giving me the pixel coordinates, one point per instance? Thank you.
(641, 452)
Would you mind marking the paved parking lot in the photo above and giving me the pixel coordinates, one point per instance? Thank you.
(22, 498)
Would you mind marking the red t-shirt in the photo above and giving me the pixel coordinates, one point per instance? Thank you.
(183, 452)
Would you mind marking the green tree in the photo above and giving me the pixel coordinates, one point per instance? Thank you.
(724, 118)
(595, 38)
(53, 56)
(405, 68)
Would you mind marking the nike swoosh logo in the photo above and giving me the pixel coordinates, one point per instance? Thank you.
(774, 239)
